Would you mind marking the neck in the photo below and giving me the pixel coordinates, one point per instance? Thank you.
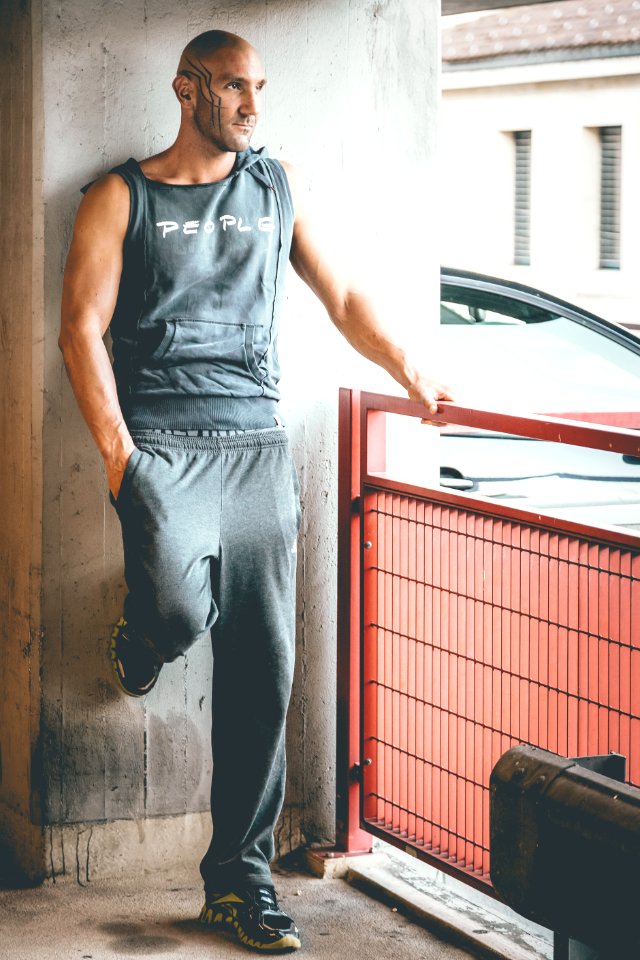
(189, 160)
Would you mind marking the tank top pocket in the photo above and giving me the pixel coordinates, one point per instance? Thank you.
(185, 354)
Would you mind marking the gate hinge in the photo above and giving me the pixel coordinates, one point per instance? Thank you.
(355, 504)
(357, 770)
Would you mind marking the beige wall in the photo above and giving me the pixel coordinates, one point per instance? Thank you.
(344, 104)
(563, 104)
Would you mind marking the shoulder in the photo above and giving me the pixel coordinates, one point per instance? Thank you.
(297, 186)
(293, 176)
(111, 187)
(106, 201)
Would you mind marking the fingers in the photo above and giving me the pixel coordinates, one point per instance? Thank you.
(430, 400)
(445, 393)
(440, 424)
(429, 392)
(433, 423)
(440, 391)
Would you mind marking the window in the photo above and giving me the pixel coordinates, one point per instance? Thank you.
(522, 197)
(529, 354)
(610, 151)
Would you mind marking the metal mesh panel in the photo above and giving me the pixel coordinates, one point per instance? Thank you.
(481, 633)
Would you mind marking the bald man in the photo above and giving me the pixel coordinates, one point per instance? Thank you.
(184, 255)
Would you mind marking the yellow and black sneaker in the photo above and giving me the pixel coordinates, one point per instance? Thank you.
(255, 916)
(135, 664)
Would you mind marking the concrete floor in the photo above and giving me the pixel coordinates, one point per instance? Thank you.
(154, 917)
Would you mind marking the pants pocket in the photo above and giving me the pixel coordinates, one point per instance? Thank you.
(129, 471)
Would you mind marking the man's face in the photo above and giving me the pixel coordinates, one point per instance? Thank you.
(229, 96)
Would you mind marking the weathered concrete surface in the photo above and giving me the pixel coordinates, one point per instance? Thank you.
(20, 435)
(119, 848)
(352, 100)
(155, 918)
(494, 934)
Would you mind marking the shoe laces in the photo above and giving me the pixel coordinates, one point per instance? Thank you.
(265, 898)
(271, 915)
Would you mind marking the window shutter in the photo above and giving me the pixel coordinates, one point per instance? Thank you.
(610, 154)
(522, 198)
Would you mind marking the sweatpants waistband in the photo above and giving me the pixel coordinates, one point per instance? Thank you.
(247, 440)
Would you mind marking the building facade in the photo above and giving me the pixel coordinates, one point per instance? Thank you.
(540, 148)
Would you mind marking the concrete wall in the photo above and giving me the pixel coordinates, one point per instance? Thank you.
(352, 100)
(563, 104)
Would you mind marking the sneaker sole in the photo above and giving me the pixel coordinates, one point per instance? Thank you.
(210, 919)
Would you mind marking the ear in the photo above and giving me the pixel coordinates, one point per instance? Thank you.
(184, 89)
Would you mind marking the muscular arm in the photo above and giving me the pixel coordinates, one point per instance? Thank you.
(351, 310)
(90, 289)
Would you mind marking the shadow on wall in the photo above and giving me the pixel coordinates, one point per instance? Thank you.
(102, 756)
(11, 876)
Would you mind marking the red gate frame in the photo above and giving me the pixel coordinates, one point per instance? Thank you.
(361, 460)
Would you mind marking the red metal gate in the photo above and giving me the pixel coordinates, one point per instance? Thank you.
(467, 627)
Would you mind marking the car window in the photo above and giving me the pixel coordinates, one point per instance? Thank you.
(469, 305)
(465, 313)
(498, 351)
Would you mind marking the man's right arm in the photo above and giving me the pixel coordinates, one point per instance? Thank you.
(90, 289)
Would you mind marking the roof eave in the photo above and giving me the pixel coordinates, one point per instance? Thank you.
(514, 59)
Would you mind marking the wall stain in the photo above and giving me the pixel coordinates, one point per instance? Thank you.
(82, 868)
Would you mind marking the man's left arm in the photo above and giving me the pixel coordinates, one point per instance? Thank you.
(351, 310)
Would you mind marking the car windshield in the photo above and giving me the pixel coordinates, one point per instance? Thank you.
(499, 352)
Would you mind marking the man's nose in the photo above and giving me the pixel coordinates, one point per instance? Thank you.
(251, 103)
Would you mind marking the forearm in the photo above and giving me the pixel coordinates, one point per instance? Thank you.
(353, 313)
(89, 369)
(356, 319)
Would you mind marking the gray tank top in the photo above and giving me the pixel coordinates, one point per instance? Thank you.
(196, 320)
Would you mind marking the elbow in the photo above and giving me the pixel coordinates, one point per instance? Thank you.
(68, 340)
(79, 337)
(346, 311)
(76, 332)
(341, 309)
(64, 341)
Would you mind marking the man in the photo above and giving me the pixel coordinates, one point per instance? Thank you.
(183, 255)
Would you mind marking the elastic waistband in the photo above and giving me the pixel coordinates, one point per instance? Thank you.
(196, 412)
(249, 440)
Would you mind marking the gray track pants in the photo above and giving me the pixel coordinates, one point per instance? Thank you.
(209, 528)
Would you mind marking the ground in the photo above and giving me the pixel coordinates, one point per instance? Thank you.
(154, 917)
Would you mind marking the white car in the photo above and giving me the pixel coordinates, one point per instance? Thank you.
(514, 349)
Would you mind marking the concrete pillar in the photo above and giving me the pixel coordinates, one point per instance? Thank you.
(21, 333)
(93, 784)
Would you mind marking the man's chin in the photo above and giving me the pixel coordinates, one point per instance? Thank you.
(242, 141)
(232, 142)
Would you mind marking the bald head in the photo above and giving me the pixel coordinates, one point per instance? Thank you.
(206, 45)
